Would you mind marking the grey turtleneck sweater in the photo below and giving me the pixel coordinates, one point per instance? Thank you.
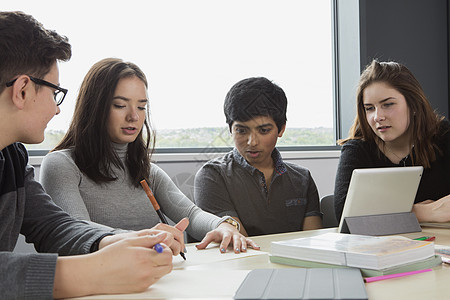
(119, 204)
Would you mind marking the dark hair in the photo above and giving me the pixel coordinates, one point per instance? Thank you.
(424, 124)
(253, 97)
(88, 135)
(26, 47)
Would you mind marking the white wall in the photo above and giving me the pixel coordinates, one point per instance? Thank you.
(182, 167)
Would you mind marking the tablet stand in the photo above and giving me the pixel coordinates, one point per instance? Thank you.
(385, 224)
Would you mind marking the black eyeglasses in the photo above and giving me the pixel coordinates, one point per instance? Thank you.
(58, 95)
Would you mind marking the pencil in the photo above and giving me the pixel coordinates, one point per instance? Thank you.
(155, 204)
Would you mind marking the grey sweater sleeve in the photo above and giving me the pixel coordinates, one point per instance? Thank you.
(51, 230)
(27, 276)
(176, 205)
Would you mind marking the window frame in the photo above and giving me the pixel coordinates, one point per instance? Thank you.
(346, 69)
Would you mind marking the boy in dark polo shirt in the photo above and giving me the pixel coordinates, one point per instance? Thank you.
(252, 183)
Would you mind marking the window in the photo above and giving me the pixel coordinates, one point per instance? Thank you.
(193, 52)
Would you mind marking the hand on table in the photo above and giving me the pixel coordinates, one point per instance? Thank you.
(433, 211)
(226, 234)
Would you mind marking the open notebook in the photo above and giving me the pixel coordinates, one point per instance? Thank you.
(377, 191)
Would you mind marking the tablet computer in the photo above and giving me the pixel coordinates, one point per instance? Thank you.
(376, 191)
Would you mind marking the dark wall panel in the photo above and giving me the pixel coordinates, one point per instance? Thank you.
(412, 32)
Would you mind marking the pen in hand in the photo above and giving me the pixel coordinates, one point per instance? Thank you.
(155, 204)
(158, 248)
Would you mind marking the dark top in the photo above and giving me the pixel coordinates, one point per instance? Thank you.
(26, 208)
(357, 154)
(230, 186)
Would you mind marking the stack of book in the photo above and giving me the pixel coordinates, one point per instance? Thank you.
(373, 255)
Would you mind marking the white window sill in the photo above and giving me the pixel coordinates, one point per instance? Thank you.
(189, 157)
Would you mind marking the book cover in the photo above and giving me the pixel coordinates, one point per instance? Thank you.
(427, 263)
(360, 251)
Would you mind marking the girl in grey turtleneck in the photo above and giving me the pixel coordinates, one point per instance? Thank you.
(94, 173)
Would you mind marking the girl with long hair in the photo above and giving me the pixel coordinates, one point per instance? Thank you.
(94, 173)
(395, 126)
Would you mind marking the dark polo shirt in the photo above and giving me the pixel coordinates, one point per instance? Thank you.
(230, 186)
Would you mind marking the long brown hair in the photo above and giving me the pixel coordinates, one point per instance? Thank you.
(424, 124)
(87, 134)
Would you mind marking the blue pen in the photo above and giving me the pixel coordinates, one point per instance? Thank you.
(158, 248)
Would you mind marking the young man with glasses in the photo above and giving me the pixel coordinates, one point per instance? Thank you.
(29, 98)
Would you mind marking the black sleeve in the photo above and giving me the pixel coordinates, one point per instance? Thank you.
(354, 155)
